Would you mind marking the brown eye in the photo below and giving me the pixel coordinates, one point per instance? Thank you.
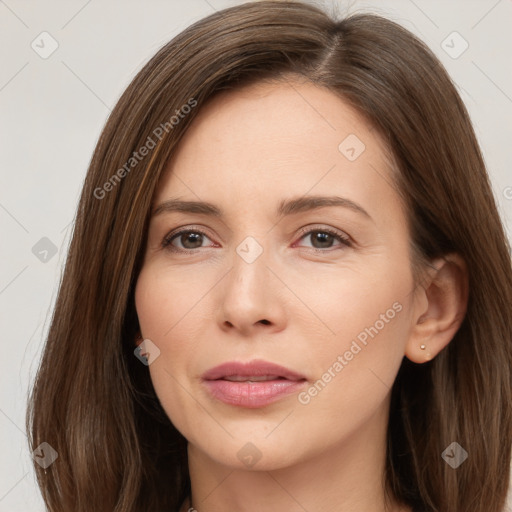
(188, 239)
(325, 238)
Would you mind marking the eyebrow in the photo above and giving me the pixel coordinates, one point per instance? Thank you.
(286, 207)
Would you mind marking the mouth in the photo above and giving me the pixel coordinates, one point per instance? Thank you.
(252, 385)
(252, 378)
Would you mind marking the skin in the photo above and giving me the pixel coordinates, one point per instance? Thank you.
(246, 152)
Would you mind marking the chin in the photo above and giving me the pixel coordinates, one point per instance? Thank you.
(255, 453)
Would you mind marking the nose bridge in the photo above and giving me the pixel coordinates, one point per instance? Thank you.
(249, 269)
(248, 296)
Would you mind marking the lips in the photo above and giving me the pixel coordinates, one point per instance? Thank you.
(253, 384)
(256, 368)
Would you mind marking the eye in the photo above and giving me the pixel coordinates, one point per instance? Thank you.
(190, 239)
(323, 238)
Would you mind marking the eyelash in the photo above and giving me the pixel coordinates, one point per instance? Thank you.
(343, 239)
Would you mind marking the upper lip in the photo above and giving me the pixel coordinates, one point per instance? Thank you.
(255, 368)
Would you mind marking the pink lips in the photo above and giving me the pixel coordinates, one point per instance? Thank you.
(252, 385)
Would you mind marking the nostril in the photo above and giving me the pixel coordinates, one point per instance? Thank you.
(266, 322)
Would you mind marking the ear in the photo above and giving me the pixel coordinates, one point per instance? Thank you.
(439, 308)
(139, 339)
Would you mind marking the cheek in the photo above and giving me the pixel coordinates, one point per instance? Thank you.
(357, 304)
(368, 316)
(167, 308)
(166, 298)
(355, 372)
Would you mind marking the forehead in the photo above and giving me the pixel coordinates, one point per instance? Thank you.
(300, 116)
(284, 136)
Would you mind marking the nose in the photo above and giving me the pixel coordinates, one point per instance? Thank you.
(251, 298)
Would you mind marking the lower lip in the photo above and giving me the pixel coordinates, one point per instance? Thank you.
(252, 394)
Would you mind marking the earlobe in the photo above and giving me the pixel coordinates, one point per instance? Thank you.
(440, 308)
(428, 356)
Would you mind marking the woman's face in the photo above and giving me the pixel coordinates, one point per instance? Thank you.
(321, 288)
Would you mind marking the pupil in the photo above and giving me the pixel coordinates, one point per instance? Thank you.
(323, 238)
(193, 236)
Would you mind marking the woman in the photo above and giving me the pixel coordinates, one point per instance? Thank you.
(288, 286)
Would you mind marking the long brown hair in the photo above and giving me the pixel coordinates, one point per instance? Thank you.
(94, 402)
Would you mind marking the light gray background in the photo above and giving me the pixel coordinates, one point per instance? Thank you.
(52, 111)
